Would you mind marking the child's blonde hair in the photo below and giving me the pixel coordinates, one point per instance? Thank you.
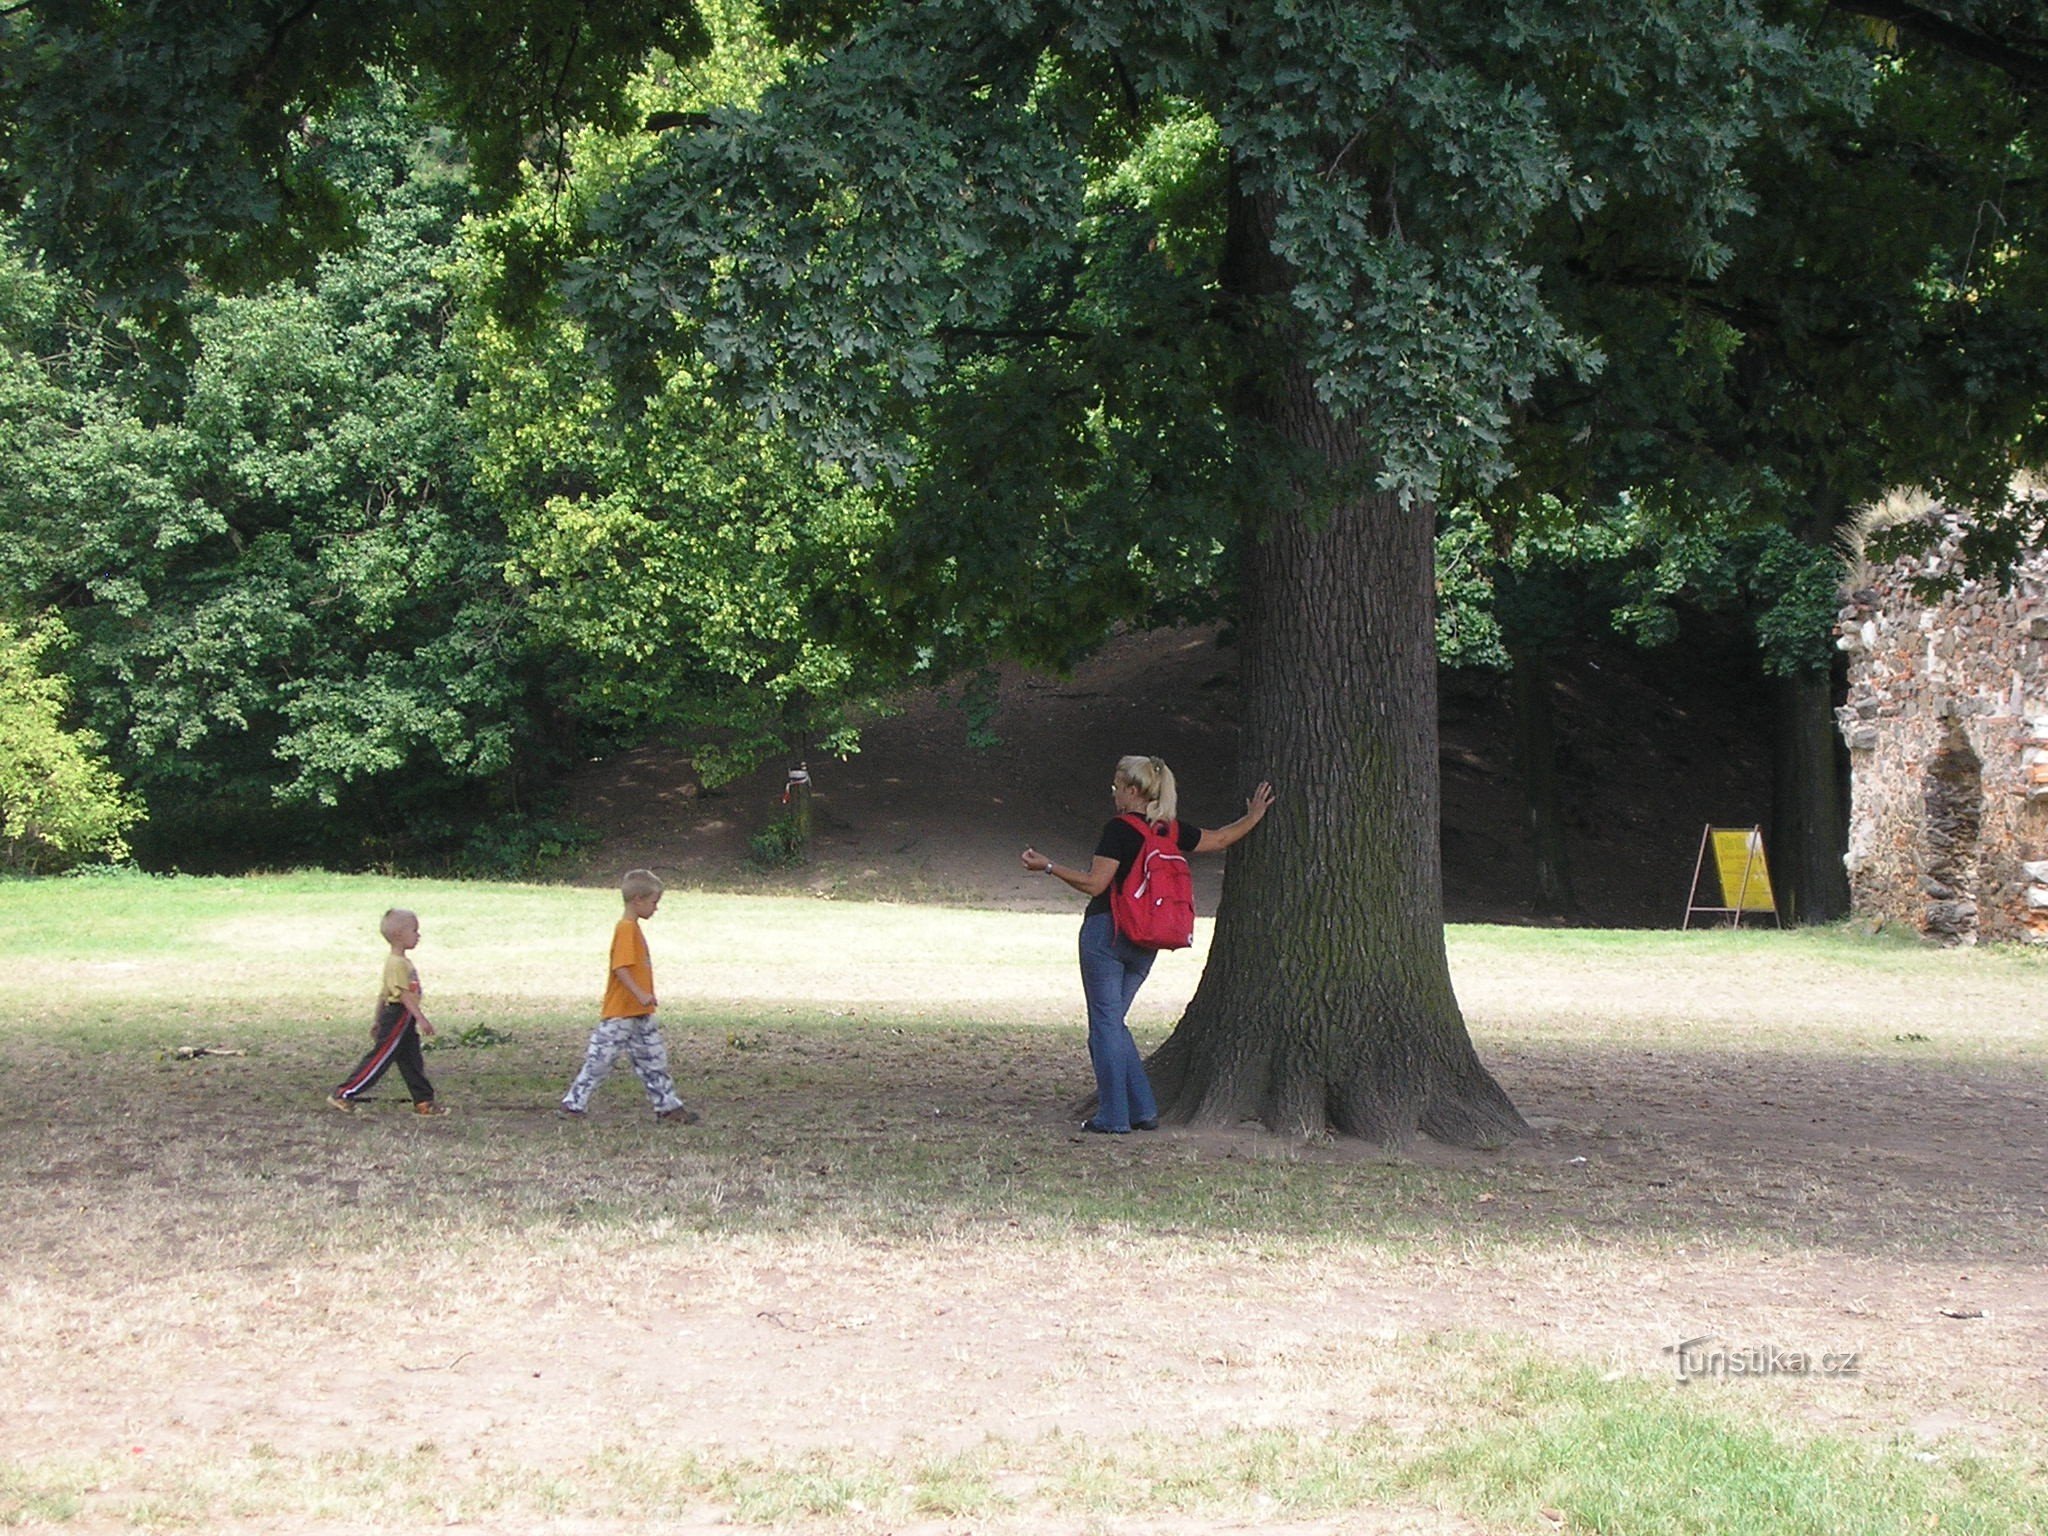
(636, 883)
(1150, 777)
(395, 921)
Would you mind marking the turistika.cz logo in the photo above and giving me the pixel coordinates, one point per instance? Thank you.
(1705, 1356)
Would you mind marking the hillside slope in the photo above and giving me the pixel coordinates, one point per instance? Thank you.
(1652, 750)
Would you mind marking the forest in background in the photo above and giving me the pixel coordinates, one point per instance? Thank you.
(348, 560)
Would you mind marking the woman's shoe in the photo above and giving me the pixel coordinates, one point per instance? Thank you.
(1101, 1130)
(1144, 1125)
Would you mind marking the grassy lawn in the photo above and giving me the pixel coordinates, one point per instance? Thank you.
(885, 1287)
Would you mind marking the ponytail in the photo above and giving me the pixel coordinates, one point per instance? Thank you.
(1154, 780)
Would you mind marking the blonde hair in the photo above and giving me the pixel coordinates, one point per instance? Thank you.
(395, 921)
(1150, 777)
(636, 883)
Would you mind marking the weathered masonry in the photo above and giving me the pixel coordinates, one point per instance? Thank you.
(1947, 725)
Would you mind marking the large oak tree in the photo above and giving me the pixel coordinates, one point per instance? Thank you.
(1335, 290)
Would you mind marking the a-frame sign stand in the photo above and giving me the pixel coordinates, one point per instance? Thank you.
(1742, 870)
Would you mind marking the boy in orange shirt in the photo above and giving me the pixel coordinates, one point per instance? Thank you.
(629, 1013)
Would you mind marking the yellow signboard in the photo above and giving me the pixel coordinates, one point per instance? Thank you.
(1745, 876)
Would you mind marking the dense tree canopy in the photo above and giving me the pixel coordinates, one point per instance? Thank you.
(143, 143)
(1879, 322)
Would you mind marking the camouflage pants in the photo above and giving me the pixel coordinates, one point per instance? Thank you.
(641, 1040)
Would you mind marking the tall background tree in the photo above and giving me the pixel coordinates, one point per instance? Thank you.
(282, 591)
(350, 562)
(1878, 322)
(60, 803)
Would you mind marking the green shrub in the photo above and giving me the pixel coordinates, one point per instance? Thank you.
(782, 844)
(519, 847)
(60, 804)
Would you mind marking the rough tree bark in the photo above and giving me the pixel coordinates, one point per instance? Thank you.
(1334, 1009)
(1809, 762)
(1326, 1004)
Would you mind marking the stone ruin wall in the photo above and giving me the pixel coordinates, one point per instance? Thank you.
(1947, 726)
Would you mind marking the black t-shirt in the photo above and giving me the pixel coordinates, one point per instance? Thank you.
(1120, 841)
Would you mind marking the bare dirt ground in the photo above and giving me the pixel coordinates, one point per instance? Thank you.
(895, 1248)
(1653, 751)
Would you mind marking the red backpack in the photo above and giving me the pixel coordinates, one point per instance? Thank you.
(1154, 906)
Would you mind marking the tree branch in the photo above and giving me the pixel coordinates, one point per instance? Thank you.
(557, 115)
(260, 75)
(1132, 104)
(1350, 144)
(1027, 333)
(561, 85)
(2024, 60)
(662, 122)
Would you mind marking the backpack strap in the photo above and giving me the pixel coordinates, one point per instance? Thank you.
(1148, 832)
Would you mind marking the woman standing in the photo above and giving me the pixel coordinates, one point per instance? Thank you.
(1112, 968)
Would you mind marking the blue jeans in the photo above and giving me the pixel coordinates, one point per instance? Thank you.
(1111, 973)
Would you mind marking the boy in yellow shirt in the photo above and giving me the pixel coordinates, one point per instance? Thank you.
(629, 1023)
(395, 1034)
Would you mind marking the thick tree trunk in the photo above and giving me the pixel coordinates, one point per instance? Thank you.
(1542, 801)
(1327, 1003)
(1809, 765)
(1809, 802)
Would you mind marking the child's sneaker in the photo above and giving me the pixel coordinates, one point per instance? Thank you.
(428, 1107)
(336, 1101)
(681, 1115)
(567, 1112)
